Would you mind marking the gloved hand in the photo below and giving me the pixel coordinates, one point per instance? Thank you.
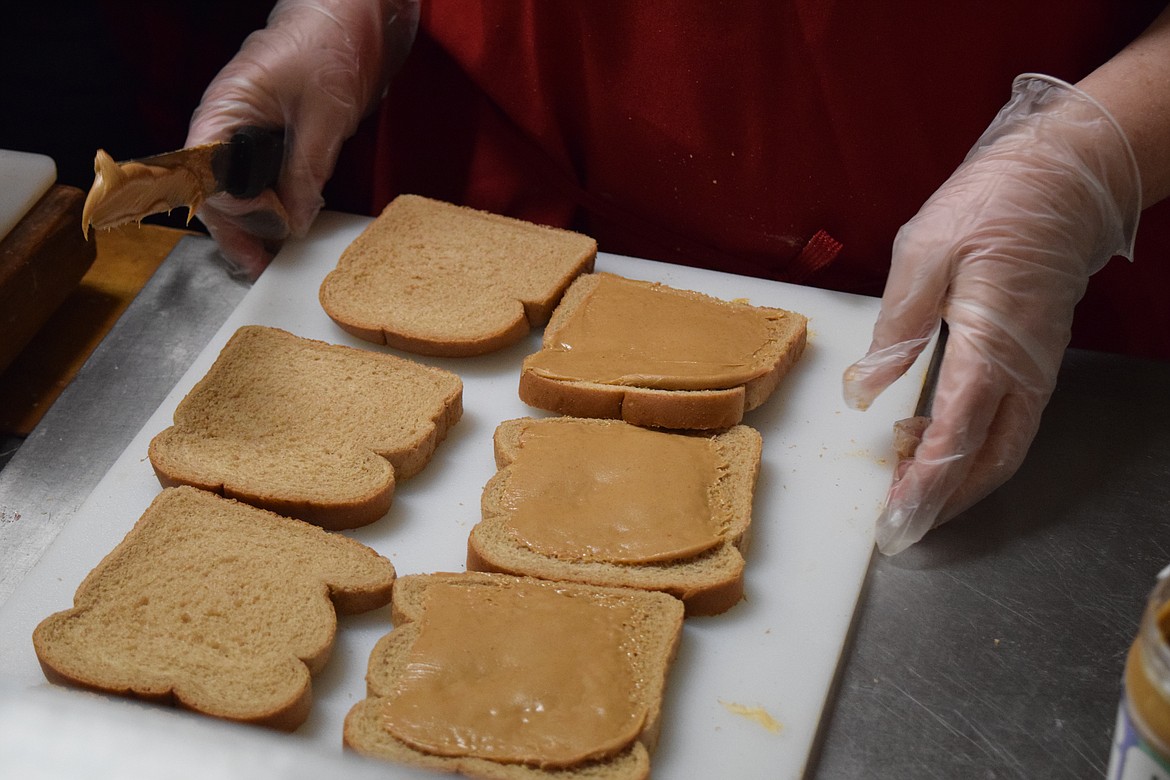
(315, 70)
(1001, 252)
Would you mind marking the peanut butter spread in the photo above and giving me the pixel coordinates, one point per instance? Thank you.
(530, 674)
(127, 192)
(616, 493)
(648, 335)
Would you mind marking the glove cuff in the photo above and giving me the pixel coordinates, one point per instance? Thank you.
(1062, 114)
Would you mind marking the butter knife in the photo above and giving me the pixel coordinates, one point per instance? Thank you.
(128, 191)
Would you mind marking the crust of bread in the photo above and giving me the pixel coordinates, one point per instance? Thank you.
(306, 429)
(214, 606)
(707, 584)
(433, 278)
(655, 408)
(657, 646)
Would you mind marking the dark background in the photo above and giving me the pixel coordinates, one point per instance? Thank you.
(119, 76)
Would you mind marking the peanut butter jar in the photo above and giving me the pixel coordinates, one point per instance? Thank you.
(1141, 744)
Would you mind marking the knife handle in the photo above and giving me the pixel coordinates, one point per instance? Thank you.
(256, 157)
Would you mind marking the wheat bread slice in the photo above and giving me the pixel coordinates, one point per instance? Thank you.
(434, 278)
(696, 409)
(214, 606)
(708, 583)
(317, 431)
(653, 638)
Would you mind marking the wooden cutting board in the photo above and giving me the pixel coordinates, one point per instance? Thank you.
(125, 258)
(59, 293)
(43, 254)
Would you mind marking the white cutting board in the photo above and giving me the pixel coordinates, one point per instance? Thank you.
(24, 178)
(747, 691)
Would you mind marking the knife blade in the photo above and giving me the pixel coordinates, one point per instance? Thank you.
(908, 432)
(930, 379)
(128, 191)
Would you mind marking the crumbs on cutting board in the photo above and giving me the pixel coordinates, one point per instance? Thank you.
(757, 714)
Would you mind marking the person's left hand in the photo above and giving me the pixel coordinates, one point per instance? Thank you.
(1001, 252)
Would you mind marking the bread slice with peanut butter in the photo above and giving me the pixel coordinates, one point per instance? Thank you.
(496, 676)
(215, 606)
(307, 429)
(608, 503)
(657, 356)
(434, 278)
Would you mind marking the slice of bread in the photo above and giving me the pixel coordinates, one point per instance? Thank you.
(434, 278)
(215, 606)
(709, 582)
(307, 429)
(649, 639)
(649, 400)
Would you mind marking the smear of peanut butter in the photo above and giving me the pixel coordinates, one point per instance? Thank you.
(758, 714)
(531, 675)
(612, 492)
(649, 335)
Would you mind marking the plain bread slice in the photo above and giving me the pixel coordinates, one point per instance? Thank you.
(312, 430)
(434, 278)
(215, 606)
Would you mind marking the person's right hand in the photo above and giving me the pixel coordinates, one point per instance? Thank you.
(314, 71)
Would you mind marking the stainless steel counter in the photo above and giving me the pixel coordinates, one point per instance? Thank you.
(992, 649)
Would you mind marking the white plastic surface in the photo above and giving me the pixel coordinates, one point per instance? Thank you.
(24, 178)
(747, 690)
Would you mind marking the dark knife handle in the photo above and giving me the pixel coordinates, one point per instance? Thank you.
(930, 380)
(256, 158)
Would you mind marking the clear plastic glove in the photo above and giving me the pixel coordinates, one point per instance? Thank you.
(1001, 252)
(315, 70)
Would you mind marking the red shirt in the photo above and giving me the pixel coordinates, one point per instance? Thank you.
(727, 134)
